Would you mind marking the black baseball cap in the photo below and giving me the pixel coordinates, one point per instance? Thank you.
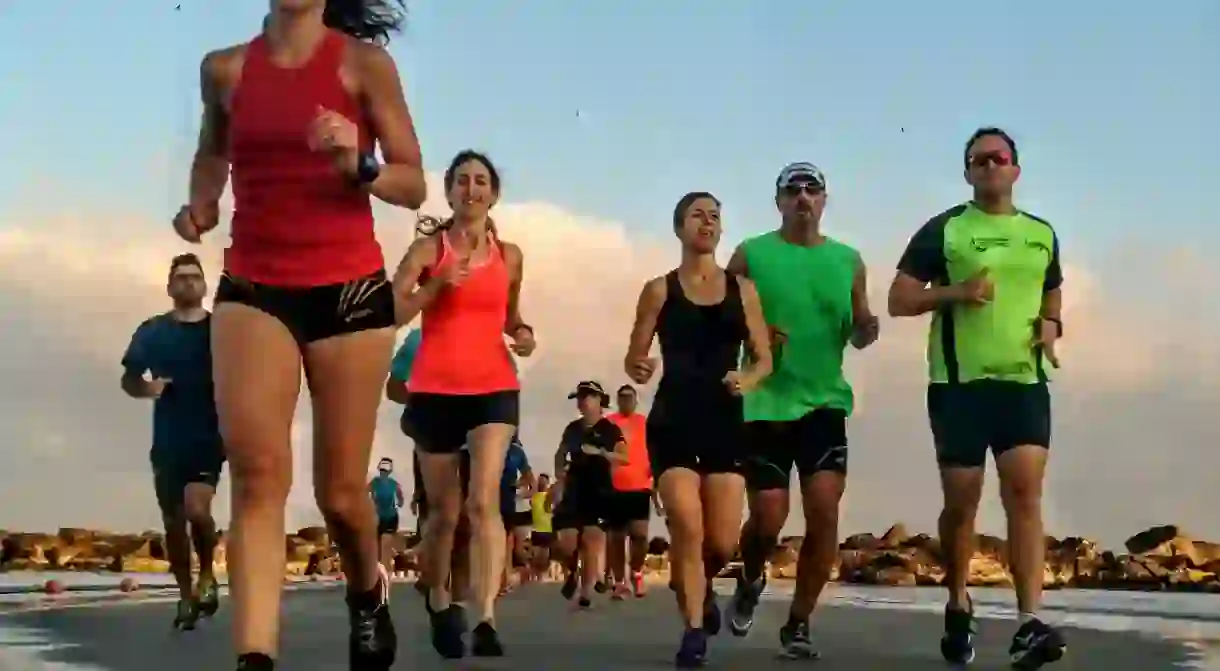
(591, 388)
(801, 172)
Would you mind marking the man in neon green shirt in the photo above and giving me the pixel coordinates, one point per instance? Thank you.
(815, 299)
(990, 274)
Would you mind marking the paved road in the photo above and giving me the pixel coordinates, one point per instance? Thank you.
(542, 634)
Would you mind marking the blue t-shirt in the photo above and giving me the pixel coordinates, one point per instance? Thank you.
(400, 367)
(387, 496)
(185, 426)
(515, 464)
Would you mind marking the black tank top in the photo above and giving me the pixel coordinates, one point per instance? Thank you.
(699, 345)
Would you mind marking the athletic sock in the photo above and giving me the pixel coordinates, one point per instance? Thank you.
(1026, 618)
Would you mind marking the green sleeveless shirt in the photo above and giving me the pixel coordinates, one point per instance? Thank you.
(806, 293)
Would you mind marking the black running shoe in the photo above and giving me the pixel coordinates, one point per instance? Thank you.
(255, 661)
(187, 615)
(711, 613)
(745, 600)
(569, 586)
(372, 644)
(485, 641)
(692, 653)
(601, 587)
(795, 641)
(209, 598)
(584, 603)
(957, 644)
(1035, 644)
(448, 632)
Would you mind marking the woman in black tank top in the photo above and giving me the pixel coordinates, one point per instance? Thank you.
(702, 317)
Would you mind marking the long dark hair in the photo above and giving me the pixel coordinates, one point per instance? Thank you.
(369, 20)
(427, 225)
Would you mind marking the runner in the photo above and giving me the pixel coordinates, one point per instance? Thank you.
(187, 453)
(295, 115)
(457, 583)
(567, 525)
(634, 499)
(464, 387)
(516, 488)
(814, 295)
(542, 535)
(701, 315)
(387, 500)
(587, 448)
(991, 276)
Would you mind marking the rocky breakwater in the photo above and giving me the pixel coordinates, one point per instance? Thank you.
(1160, 558)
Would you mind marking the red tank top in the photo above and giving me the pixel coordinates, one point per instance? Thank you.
(296, 222)
(462, 352)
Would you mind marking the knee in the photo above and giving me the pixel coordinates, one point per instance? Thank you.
(639, 541)
(342, 502)
(1021, 497)
(198, 512)
(768, 515)
(261, 477)
(482, 509)
(175, 524)
(959, 513)
(719, 551)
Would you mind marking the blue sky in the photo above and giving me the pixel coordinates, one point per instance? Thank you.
(1113, 105)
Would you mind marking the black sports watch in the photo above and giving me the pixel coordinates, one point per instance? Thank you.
(368, 168)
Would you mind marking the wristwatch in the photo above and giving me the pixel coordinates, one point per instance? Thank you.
(368, 168)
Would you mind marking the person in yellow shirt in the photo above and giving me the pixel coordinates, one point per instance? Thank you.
(543, 532)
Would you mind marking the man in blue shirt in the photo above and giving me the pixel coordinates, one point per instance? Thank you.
(516, 488)
(169, 361)
(387, 499)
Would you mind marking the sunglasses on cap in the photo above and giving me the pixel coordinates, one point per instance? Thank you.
(1001, 159)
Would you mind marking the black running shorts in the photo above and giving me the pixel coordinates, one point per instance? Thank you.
(814, 443)
(970, 417)
(442, 421)
(317, 313)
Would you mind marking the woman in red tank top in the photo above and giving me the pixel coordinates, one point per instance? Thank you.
(295, 116)
(464, 390)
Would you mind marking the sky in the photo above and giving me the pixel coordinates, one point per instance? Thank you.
(600, 116)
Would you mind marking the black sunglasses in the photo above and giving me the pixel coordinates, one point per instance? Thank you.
(808, 188)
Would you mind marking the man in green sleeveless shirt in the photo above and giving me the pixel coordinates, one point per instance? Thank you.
(814, 297)
(990, 275)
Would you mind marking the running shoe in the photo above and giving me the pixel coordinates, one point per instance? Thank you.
(637, 584)
(569, 586)
(373, 643)
(711, 613)
(255, 661)
(448, 632)
(187, 615)
(745, 601)
(957, 644)
(1035, 644)
(486, 641)
(692, 653)
(209, 597)
(795, 641)
(621, 591)
(601, 587)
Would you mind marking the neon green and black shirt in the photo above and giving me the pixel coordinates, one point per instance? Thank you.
(993, 341)
(806, 293)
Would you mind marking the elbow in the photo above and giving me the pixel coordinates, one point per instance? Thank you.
(897, 307)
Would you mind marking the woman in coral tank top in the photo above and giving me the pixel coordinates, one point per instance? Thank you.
(295, 115)
(464, 390)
